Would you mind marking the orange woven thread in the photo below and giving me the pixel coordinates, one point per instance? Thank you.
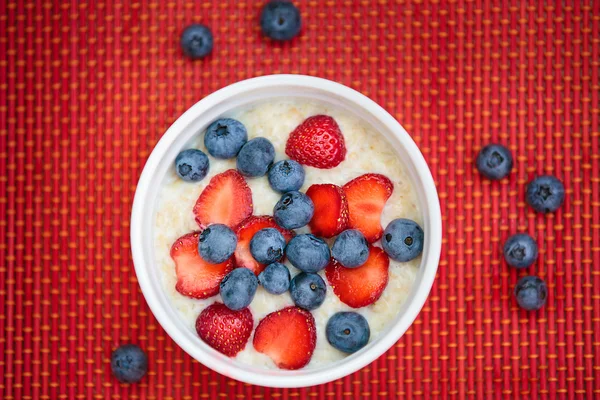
(88, 89)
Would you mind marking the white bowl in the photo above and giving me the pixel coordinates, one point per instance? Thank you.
(194, 121)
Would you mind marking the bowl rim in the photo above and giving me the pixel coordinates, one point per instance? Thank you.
(430, 210)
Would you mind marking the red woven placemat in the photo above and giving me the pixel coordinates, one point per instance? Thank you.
(88, 88)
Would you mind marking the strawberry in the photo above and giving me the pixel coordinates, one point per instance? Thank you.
(331, 210)
(226, 200)
(287, 336)
(366, 197)
(196, 278)
(359, 287)
(245, 232)
(225, 330)
(317, 142)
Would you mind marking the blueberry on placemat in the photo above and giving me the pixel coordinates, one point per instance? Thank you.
(225, 137)
(196, 41)
(280, 20)
(520, 250)
(545, 193)
(191, 165)
(348, 331)
(129, 363)
(494, 161)
(308, 290)
(238, 288)
(531, 293)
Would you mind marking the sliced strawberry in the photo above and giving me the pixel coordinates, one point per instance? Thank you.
(225, 330)
(331, 210)
(359, 287)
(287, 336)
(366, 197)
(245, 232)
(226, 200)
(317, 142)
(196, 278)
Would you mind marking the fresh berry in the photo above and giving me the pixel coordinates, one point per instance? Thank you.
(359, 287)
(129, 363)
(245, 232)
(267, 246)
(287, 336)
(255, 157)
(545, 194)
(308, 290)
(217, 243)
(238, 288)
(225, 330)
(348, 331)
(308, 253)
(191, 165)
(366, 197)
(196, 41)
(403, 240)
(350, 248)
(225, 137)
(226, 200)
(520, 251)
(317, 142)
(331, 210)
(494, 161)
(280, 20)
(531, 293)
(286, 175)
(196, 278)
(275, 278)
(293, 210)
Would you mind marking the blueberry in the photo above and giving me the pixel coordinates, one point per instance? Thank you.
(280, 20)
(255, 157)
(293, 210)
(191, 165)
(545, 194)
(350, 248)
(225, 137)
(520, 251)
(286, 175)
(494, 161)
(267, 245)
(129, 363)
(308, 290)
(402, 240)
(308, 253)
(197, 41)
(238, 287)
(217, 243)
(275, 278)
(348, 331)
(531, 293)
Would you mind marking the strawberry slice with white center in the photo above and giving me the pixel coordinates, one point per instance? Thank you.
(245, 232)
(359, 287)
(227, 199)
(330, 217)
(225, 330)
(287, 336)
(366, 196)
(196, 278)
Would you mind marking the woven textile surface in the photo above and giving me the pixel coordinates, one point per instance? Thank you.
(87, 89)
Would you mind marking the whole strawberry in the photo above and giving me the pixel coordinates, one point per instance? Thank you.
(317, 142)
(225, 330)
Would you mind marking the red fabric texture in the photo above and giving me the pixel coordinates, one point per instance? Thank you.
(87, 89)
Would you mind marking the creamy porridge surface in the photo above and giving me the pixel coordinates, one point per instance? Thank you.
(367, 151)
